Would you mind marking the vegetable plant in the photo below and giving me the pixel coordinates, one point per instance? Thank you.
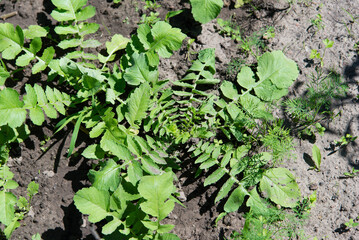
(139, 122)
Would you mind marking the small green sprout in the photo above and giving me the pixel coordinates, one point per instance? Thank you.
(345, 140)
(353, 172)
(351, 224)
(316, 157)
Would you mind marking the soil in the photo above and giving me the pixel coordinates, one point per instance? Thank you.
(53, 213)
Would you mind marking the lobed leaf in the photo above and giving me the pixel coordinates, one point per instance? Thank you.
(205, 10)
(280, 186)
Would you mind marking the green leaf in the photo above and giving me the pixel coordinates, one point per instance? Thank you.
(224, 189)
(236, 199)
(138, 103)
(93, 202)
(72, 10)
(65, 44)
(11, 40)
(93, 151)
(111, 226)
(156, 190)
(4, 74)
(11, 227)
(75, 133)
(7, 210)
(44, 60)
(107, 178)
(317, 157)
(205, 10)
(11, 184)
(32, 189)
(245, 78)
(276, 67)
(280, 186)
(111, 143)
(166, 39)
(117, 43)
(11, 108)
(34, 31)
(214, 177)
(256, 203)
(140, 71)
(229, 90)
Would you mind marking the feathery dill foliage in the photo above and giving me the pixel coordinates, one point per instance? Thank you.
(315, 105)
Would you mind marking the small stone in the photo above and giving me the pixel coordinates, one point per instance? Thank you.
(313, 186)
(49, 174)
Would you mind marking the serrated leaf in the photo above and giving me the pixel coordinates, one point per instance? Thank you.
(280, 186)
(66, 29)
(205, 10)
(107, 178)
(11, 108)
(236, 199)
(157, 190)
(93, 151)
(138, 103)
(4, 74)
(278, 68)
(140, 71)
(111, 143)
(166, 39)
(10, 184)
(91, 43)
(93, 202)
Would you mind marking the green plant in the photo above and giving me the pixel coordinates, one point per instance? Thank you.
(316, 157)
(349, 25)
(140, 122)
(353, 172)
(318, 22)
(316, 55)
(314, 106)
(345, 140)
(13, 209)
(204, 11)
(302, 209)
(351, 224)
(252, 44)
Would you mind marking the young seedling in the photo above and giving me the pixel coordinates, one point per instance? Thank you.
(353, 172)
(318, 22)
(351, 223)
(316, 157)
(315, 54)
(345, 140)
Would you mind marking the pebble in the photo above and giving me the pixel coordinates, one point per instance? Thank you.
(313, 186)
(49, 174)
